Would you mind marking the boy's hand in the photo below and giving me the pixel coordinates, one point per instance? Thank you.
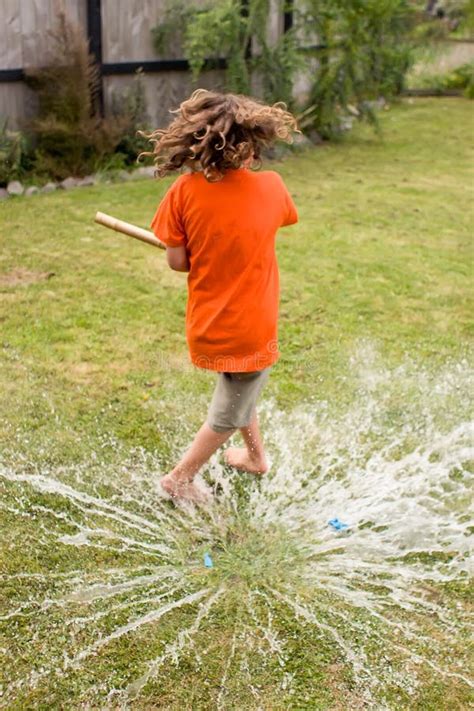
(177, 258)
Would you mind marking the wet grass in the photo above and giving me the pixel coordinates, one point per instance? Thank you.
(94, 369)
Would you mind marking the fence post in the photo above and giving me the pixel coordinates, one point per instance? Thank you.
(94, 34)
(288, 16)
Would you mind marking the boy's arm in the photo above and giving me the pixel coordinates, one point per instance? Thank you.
(289, 214)
(177, 258)
(168, 226)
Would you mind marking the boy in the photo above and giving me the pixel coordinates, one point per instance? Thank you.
(219, 222)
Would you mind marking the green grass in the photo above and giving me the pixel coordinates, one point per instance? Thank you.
(382, 250)
(94, 360)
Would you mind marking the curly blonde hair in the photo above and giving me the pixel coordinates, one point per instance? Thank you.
(214, 132)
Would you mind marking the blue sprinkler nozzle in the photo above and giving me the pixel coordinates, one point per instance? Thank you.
(338, 525)
(208, 560)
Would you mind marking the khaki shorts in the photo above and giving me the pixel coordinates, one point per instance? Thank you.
(233, 403)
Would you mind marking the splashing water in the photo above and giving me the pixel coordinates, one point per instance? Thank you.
(129, 597)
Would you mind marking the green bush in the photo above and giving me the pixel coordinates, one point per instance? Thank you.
(365, 51)
(130, 107)
(461, 79)
(220, 29)
(456, 20)
(70, 136)
(13, 154)
(351, 51)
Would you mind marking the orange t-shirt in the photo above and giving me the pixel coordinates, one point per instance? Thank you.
(229, 229)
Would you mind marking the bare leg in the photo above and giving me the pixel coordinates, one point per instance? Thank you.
(250, 458)
(179, 482)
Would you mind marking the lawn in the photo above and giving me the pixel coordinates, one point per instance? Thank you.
(105, 601)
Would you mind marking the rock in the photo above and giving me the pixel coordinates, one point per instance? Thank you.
(379, 103)
(314, 137)
(87, 181)
(49, 187)
(302, 141)
(276, 152)
(14, 187)
(32, 190)
(346, 123)
(147, 171)
(124, 175)
(68, 183)
(3, 194)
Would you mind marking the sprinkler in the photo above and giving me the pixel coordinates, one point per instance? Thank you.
(208, 560)
(338, 525)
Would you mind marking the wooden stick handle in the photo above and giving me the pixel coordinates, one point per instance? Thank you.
(127, 229)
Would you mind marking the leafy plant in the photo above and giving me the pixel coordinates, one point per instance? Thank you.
(130, 106)
(463, 78)
(460, 79)
(458, 11)
(70, 134)
(467, 21)
(13, 153)
(227, 29)
(220, 31)
(444, 20)
(364, 51)
(168, 36)
(350, 52)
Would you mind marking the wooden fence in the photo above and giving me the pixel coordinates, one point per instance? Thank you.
(120, 38)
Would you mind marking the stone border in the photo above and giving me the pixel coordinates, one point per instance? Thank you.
(16, 189)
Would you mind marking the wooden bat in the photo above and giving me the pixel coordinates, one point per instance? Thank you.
(127, 229)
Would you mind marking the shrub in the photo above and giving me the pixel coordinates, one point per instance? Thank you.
(70, 135)
(364, 52)
(130, 107)
(13, 154)
(461, 79)
(223, 29)
(351, 51)
(446, 19)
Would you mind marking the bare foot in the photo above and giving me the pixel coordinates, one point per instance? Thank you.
(240, 458)
(186, 490)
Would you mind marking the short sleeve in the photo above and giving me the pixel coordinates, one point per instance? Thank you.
(289, 213)
(167, 223)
